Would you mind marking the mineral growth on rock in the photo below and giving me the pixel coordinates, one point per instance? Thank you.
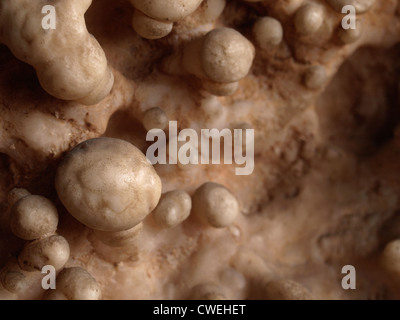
(316, 217)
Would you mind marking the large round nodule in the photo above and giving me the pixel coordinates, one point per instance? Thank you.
(172, 10)
(33, 217)
(75, 284)
(108, 184)
(216, 205)
(227, 56)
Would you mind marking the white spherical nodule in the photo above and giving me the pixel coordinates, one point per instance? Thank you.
(33, 217)
(14, 279)
(390, 258)
(108, 184)
(15, 282)
(75, 284)
(53, 251)
(216, 205)
(309, 19)
(268, 32)
(349, 36)
(315, 77)
(171, 10)
(155, 118)
(226, 56)
(213, 9)
(173, 209)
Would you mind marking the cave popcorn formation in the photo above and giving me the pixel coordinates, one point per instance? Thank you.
(69, 62)
(155, 19)
(324, 192)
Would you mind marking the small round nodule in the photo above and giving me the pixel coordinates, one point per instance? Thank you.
(286, 290)
(268, 32)
(348, 36)
(75, 284)
(215, 204)
(33, 217)
(15, 281)
(108, 184)
(173, 209)
(52, 251)
(309, 19)
(171, 10)
(227, 56)
(150, 28)
(155, 118)
(390, 258)
(315, 77)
